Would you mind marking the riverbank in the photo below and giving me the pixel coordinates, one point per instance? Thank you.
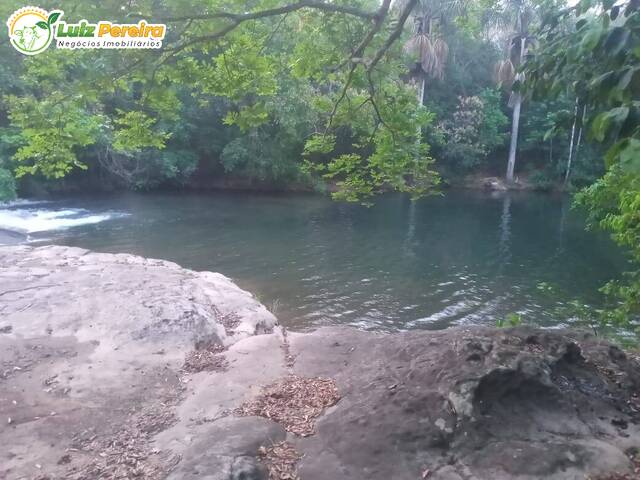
(82, 184)
(117, 365)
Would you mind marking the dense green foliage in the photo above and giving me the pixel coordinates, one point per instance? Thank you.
(476, 129)
(252, 87)
(7, 185)
(592, 52)
(289, 98)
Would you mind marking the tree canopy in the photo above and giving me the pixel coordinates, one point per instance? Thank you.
(317, 72)
(591, 51)
(321, 93)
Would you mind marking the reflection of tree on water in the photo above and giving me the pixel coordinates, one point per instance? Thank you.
(504, 249)
(564, 209)
(409, 242)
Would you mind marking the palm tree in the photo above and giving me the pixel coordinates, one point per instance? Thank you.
(573, 155)
(427, 43)
(519, 13)
(432, 52)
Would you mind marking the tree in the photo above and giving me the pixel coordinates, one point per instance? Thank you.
(426, 42)
(474, 130)
(597, 57)
(7, 186)
(519, 13)
(130, 107)
(579, 125)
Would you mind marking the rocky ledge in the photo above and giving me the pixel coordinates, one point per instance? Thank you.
(116, 366)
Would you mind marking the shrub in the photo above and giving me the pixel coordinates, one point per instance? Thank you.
(7, 185)
(541, 181)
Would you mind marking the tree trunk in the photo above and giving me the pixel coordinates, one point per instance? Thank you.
(584, 112)
(511, 165)
(573, 133)
(515, 123)
(421, 87)
(423, 82)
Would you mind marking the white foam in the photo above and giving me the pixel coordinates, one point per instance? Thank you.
(22, 202)
(39, 220)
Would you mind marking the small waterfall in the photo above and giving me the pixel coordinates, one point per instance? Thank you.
(22, 217)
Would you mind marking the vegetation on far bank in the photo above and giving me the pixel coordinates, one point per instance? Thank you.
(315, 94)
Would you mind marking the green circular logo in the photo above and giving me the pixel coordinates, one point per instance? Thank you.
(31, 29)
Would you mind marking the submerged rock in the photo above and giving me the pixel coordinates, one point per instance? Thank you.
(115, 365)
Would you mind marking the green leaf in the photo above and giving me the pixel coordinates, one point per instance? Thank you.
(549, 134)
(614, 12)
(602, 123)
(584, 6)
(136, 131)
(630, 156)
(599, 127)
(616, 40)
(318, 143)
(598, 81)
(43, 25)
(626, 78)
(618, 115)
(612, 155)
(591, 39)
(53, 17)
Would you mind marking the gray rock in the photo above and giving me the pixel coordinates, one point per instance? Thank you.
(99, 339)
(469, 403)
(90, 378)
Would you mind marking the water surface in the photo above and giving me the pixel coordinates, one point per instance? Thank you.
(464, 258)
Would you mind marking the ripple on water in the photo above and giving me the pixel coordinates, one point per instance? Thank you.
(398, 265)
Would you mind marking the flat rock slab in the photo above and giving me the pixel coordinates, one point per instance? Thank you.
(94, 384)
(470, 403)
(91, 353)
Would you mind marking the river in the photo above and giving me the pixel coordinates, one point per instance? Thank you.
(461, 258)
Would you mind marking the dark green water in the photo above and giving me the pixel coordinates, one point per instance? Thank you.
(465, 258)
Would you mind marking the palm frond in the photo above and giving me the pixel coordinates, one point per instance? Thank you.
(440, 54)
(505, 73)
(418, 45)
(432, 54)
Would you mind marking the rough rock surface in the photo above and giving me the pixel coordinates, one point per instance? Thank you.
(91, 344)
(476, 403)
(93, 385)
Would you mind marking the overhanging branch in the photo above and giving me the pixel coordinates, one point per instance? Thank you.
(271, 12)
